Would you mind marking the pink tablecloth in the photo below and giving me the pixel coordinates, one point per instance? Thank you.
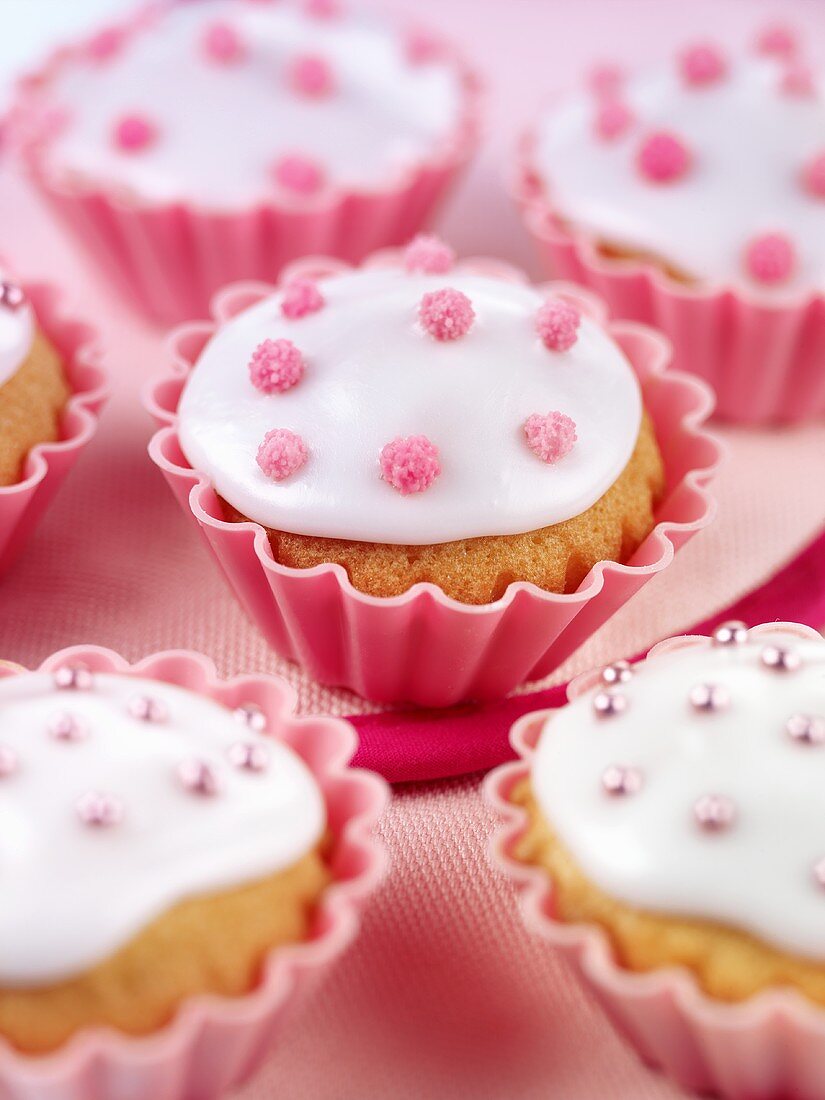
(444, 994)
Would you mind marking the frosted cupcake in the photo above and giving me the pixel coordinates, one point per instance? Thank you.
(674, 806)
(419, 423)
(698, 189)
(207, 142)
(159, 846)
(33, 385)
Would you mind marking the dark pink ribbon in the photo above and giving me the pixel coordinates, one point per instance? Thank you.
(410, 745)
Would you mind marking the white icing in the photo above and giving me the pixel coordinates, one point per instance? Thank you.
(16, 336)
(73, 894)
(645, 848)
(373, 374)
(750, 142)
(222, 126)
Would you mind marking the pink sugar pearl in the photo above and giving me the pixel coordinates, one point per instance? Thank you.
(613, 118)
(605, 79)
(299, 174)
(105, 44)
(663, 157)
(557, 323)
(311, 75)
(551, 437)
(778, 40)
(276, 366)
(813, 176)
(222, 44)
(702, 64)
(322, 9)
(798, 80)
(410, 464)
(446, 314)
(301, 297)
(421, 47)
(281, 453)
(134, 133)
(770, 258)
(428, 255)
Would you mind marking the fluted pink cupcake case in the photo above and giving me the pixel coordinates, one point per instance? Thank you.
(171, 258)
(214, 1043)
(765, 362)
(771, 1047)
(23, 503)
(423, 647)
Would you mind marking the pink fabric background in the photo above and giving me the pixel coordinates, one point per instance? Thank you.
(444, 994)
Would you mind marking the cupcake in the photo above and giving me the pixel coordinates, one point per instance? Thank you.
(666, 826)
(51, 390)
(420, 426)
(201, 143)
(692, 195)
(165, 837)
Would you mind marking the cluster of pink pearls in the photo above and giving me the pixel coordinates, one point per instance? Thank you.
(410, 464)
(711, 812)
(99, 809)
(664, 157)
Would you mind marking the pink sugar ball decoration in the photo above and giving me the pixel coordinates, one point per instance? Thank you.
(222, 44)
(778, 40)
(813, 176)
(281, 453)
(613, 118)
(770, 258)
(301, 297)
(663, 157)
(410, 464)
(551, 436)
(702, 64)
(446, 314)
(105, 44)
(605, 79)
(311, 75)
(322, 9)
(298, 174)
(134, 133)
(557, 323)
(428, 255)
(276, 366)
(798, 80)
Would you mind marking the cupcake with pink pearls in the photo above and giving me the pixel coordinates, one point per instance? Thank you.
(199, 143)
(422, 438)
(691, 194)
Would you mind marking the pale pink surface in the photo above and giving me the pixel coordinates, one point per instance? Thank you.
(445, 993)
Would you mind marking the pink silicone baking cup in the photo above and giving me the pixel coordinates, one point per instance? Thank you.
(423, 647)
(22, 504)
(215, 1043)
(171, 258)
(765, 361)
(771, 1047)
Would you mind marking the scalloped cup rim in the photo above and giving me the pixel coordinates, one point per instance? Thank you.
(450, 152)
(282, 963)
(546, 223)
(589, 940)
(691, 424)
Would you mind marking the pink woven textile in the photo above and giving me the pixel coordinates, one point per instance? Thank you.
(444, 994)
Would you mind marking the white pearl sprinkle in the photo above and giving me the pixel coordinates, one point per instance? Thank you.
(67, 727)
(709, 697)
(780, 659)
(248, 756)
(714, 812)
(198, 777)
(620, 780)
(608, 704)
(617, 673)
(8, 761)
(252, 716)
(147, 709)
(99, 810)
(73, 678)
(806, 729)
(730, 634)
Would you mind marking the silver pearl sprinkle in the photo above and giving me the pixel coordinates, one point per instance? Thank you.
(73, 678)
(620, 780)
(806, 729)
(12, 296)
(8, 761)
(780, 659)
(608, 704)
(617, 673)
(714, 812)
(709, 698)
(730, 633)
(98, 810)
(198, 777)
(251, 716)
(66, 727)
(147, 709)
(248, 756)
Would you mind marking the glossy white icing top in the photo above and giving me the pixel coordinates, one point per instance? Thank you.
(16, 336)
(750, 142)
(221, 127)
(646, 848)
(74, 893)
(373, 374)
